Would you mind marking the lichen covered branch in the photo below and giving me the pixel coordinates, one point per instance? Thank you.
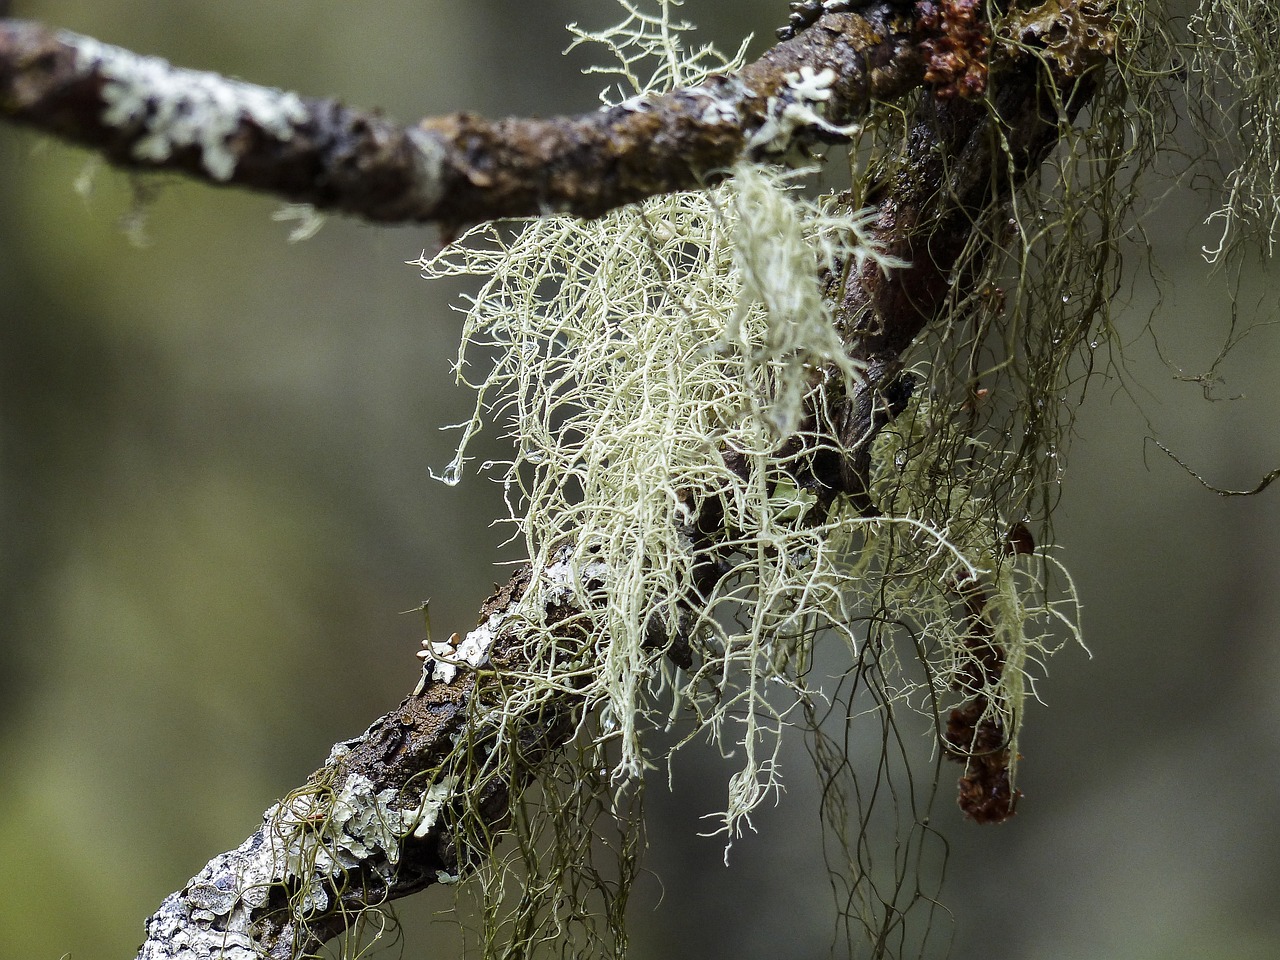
(418, 798)
(380, 820)
(142, 113)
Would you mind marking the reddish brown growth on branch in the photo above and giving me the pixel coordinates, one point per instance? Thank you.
(984, 792)
(1019, 540)
(975, 735)
(955, 40)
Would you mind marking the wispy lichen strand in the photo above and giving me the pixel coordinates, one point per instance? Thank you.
(652, 363)
(1236, 59)
(671, 362)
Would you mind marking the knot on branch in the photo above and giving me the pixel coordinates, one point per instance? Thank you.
(985, 791)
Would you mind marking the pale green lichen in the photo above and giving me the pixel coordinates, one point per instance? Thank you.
(646, 53)
(650, 366)
(634, 351)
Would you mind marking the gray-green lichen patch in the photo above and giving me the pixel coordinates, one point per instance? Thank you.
(320, 835)
(212, 915)
(182, 108)
(428, 812)
(799, 108)
(306, 844)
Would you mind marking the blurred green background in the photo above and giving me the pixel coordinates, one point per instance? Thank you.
(215, 500)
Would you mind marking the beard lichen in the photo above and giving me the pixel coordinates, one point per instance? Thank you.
(662, 373)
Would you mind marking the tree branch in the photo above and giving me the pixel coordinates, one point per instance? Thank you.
(961, 158)
(376, 822)
(308, 872)
(142, 113)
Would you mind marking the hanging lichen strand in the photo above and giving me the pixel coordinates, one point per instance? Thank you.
(1236, 47)
(664, 374)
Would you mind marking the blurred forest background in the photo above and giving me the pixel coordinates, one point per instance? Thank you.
(215, 501)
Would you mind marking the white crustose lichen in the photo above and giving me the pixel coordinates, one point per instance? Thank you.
(183, 108)
(801, 107)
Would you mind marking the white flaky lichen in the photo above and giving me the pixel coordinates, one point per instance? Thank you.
(319, 834)
(802, 106)
(441, 659)
(306, 845)
(181, 108)
(434, 799)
